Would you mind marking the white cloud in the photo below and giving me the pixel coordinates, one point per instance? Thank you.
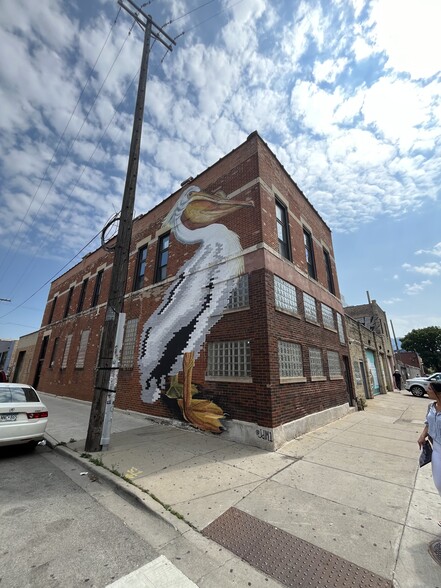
(392, 301)
(412, 289)
(408, 32)
(429, 269)
(436, 250)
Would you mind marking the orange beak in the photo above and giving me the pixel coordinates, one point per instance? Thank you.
(205, 208)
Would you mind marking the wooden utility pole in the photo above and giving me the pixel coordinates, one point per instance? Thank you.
(108, 364)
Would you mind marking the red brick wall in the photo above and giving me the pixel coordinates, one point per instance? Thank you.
(253, 169)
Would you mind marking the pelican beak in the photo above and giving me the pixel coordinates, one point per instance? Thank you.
(205, 208)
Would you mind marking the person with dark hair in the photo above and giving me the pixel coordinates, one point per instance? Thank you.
(432, 429)
(397, 378)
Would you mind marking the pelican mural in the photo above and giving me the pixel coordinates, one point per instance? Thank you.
(175, 333)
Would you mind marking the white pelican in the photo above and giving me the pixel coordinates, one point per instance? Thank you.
(195, 300)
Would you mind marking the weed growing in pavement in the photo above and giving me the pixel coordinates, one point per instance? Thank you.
(97, 461)
(72, 440)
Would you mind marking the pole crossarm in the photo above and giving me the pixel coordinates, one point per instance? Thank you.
(156, 31)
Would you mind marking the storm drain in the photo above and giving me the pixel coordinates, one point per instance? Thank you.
(435, 550)
(288, 559)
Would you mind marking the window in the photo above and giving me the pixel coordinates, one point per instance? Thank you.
(316, 362)
(230, 359)
(66, 352)
(285, 295)
(282, 230)
(328, 317)
(128, 350)
(341, 332)
(68, 301)
(54, 350)
(240, 295)
(334, 364)
(97, 289)
(15, 394)
(329, 271)
(82, 349)
(141, 262)
(161, 265)
(51, 314)
(290, 360)
(310, 307)
(309, 253)
(82, 295)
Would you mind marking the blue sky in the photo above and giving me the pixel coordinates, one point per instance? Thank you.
(347, 94)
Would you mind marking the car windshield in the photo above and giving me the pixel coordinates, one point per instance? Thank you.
(18, 394)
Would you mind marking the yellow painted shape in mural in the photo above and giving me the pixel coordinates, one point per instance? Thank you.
(132, 473)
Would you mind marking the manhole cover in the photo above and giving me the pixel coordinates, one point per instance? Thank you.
(435, 550)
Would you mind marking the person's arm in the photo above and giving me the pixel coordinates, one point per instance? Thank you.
(423, 436)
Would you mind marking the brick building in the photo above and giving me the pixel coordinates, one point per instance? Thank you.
(252, 300)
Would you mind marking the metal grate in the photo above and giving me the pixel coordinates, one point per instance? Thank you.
(435, 550)
(288, 559)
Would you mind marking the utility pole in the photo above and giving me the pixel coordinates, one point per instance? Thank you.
(108, 362)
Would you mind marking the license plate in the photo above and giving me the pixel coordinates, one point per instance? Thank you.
(8, 417)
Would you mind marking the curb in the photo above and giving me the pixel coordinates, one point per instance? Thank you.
(122, 487)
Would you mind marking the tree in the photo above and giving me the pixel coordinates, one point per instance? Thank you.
(427, 343)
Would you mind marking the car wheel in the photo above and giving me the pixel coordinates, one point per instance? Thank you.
(417, 391)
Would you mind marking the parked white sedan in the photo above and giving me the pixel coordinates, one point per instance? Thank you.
(23, 417)
(419, 386)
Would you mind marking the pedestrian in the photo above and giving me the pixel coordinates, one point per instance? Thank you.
(3, 377)
(397, 378)
(432, 428)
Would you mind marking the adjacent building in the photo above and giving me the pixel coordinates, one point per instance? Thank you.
(234, 320)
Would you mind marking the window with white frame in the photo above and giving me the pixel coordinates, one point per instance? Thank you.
(328, 317)
(310, 307)
(290, 360)
(66, 352)
(229, 359)
(240, 295)
(128, 349)
(285, 295)
(82, 349)
(316, 362)
(334, 363)
(341, 332)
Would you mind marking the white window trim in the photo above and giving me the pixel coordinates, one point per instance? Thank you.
(292, 380)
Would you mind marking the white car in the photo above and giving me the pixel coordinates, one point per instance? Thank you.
(419, 386)
(23, 417)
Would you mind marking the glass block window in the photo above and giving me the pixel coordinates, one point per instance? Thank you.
(290, 360)
(328, 317)
(82, 349)
(231, 359)
(341, 331)
(334, 363)
(285, 295)
(310, 307)
(66, 352)
(316, 362)
(240, 296)
(128, 349)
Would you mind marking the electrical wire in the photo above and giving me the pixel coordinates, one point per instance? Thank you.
(52, 277)
(56, 148)
(69, 151)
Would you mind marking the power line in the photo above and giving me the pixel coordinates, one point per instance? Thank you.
(51, 278)
(56, 148)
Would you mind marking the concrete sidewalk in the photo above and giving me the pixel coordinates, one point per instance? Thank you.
(351, 488)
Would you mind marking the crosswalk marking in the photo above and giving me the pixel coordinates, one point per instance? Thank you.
(159, 573)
